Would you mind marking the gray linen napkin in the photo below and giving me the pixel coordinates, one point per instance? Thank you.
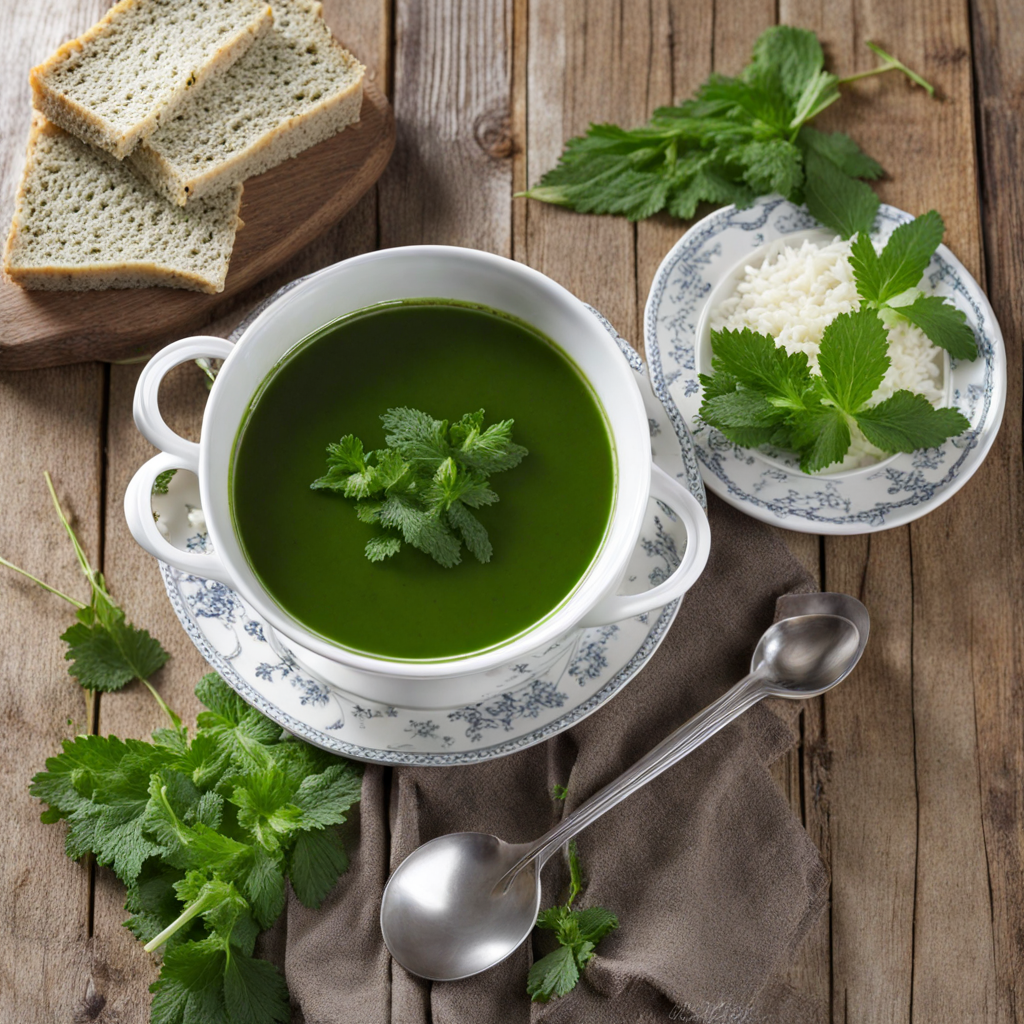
(713, 879)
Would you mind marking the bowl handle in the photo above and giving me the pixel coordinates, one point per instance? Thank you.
(146, 407)
(616, 607)
(176, 453)
(138, 510)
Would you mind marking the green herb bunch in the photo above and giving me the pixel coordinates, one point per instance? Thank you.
(760, 394)
(737, 139)
(202, 831)
(422, 488)
(578, 933)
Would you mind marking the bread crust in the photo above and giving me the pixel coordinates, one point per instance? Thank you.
(101, 273)
(85, 123)
(286, 141)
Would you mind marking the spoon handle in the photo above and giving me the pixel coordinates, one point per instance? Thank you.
(745, 694)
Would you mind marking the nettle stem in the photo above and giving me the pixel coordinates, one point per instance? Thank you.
(175, 720)
(179, 922)
(891, 63)
(45, 586)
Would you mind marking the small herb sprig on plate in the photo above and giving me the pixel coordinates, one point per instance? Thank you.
(760, 394)
(889, 283)
(578, 933)
(422, 487)
(739, 138)
(204, 831)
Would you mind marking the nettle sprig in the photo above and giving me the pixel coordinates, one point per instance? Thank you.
(423, 487)
(760, 394)
(203, 831)
(105, 650)
(737, 139)
(577, 931)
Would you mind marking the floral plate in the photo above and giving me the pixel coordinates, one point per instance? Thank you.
(232, 639)
(894, 492)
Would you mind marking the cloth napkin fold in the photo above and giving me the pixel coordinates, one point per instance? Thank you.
(712, 877)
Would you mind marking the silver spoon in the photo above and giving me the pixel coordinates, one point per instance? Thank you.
(461, 903)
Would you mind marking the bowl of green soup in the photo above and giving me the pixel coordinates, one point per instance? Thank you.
(426, 468)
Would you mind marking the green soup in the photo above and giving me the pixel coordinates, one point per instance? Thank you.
(306, 547)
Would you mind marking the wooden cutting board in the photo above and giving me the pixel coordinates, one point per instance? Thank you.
(283, 210)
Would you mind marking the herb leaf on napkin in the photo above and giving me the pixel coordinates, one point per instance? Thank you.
(578, 933)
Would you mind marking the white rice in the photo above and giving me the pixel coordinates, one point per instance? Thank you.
(795, 293)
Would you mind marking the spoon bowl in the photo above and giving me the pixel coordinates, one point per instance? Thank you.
(462, 903)
(444, 914)
(807, 654)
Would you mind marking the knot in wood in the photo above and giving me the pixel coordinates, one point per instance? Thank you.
(493, 133)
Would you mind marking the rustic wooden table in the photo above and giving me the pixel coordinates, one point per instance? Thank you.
(910, 778)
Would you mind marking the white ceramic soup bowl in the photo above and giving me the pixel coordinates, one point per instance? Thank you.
(446, 272)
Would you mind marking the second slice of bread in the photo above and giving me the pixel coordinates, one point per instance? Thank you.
(84, 220)
(293, 89)
(138, 64)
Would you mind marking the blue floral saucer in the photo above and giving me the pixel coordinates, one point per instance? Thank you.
(773, 489)
(232, 639)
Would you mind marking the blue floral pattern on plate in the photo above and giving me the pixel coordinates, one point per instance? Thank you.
(588, 672)
(896, 493)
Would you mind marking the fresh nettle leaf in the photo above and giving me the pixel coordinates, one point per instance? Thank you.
(205, 872)
(887, 282)
(843, 203)
(577, 932)
(906, 422)
(944, 324)
(760, 394)
(738, 138)
(902, 262)
(421, 488)
(105, 650)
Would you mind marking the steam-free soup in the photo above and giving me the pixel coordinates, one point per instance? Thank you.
(307, 547)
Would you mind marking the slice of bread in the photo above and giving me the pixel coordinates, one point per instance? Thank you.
(84, 220)
(112, 86)
(293, 89)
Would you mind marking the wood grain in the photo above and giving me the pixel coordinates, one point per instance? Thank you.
(283, 210)
(909, 777)
(910, 932)
(996, 630)
(449, 181)
(49, 421)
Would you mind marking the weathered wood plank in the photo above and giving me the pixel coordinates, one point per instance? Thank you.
(681, 49)
(587, 62)
(910, 903)
(449, 182)
(996, 621)
(48, 420)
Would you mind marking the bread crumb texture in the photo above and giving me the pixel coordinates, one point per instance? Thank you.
(83, 220)
(294, 88)
(112, 85)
